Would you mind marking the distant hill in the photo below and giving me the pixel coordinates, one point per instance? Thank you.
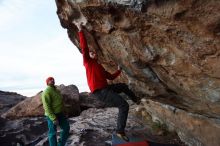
(9, 99)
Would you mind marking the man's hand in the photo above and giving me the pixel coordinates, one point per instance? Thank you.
(56, 122)
(119, 67)
(78, 24)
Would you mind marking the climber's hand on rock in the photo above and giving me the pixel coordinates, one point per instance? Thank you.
(78, 24)
(119, 67)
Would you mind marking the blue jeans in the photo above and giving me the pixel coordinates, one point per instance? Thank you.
(52, 134)
(111, 98)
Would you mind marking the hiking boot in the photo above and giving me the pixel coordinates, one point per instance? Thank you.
(122, 136)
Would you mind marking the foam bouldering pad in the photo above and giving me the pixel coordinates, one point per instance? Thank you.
(133, 141)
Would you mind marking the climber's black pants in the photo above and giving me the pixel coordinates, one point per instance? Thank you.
(111, 98)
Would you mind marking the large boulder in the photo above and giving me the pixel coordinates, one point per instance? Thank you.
(165, 47)
(33, 106)
(88, 100)
(8, 100)
(192, 128)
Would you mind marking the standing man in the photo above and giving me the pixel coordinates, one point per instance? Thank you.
(97, 80)
(53, 107)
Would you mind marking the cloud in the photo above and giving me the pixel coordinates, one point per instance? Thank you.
(31, 52)
(13, 12)
(30, 65)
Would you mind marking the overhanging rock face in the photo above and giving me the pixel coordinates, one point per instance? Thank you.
(166, 48)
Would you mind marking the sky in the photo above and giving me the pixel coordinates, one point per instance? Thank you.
(34, 46)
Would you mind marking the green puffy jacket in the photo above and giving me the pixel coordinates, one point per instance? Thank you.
(52, 102)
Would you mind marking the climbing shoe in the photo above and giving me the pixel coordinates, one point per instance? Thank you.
(122, 136)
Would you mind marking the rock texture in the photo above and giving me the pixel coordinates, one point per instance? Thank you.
(166, 48)
(194, 129)
(94, 127)
(33, 106)
(8, 100)
(88, 100)
(26, 131)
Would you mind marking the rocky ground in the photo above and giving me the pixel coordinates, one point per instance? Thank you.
(93, 127)
(25, 130)
(99, 124)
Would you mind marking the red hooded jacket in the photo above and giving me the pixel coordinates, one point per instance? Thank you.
(96, 74)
